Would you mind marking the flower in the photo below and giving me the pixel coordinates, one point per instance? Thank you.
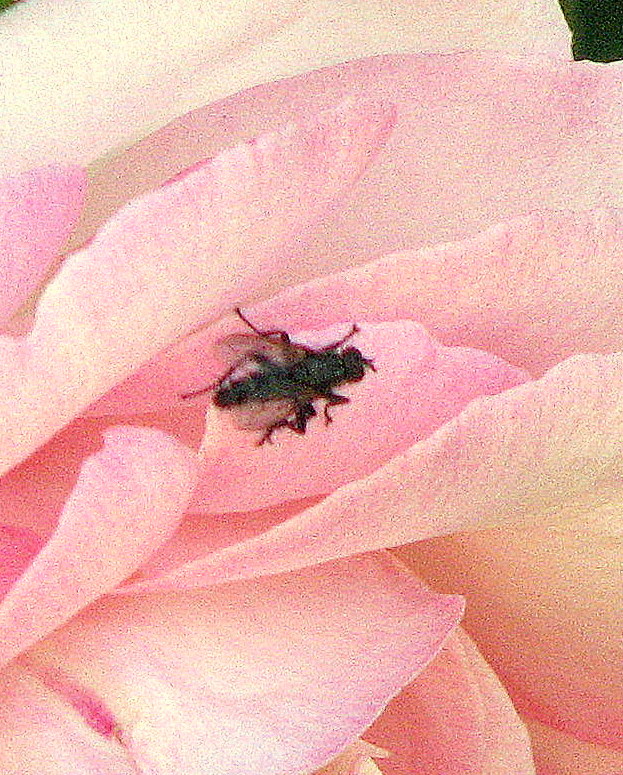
(534, 442)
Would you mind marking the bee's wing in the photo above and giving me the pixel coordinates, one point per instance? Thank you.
(236, 347)
(260, 415)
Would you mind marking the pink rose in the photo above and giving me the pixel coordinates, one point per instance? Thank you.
(484, 420)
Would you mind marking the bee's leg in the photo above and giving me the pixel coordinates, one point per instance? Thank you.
(352, 332)
(302, 414)
(199, 392)
(298, 424)
(269, 431)
(283, 335)
(333, 399)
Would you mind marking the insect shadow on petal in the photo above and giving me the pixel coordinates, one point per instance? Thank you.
(273, 382)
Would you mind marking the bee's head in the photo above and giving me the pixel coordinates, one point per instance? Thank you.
(355, 364)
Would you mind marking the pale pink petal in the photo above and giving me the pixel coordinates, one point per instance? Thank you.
(545, 450)
(40, 734)
(479, 139)
(454, 719)
(559, 754)
(33, 494)
(273, 676)
(346, 31)
(200, 535)
(38, 209)
(169, 259)
(79, 79)
(544, 606)
(128, 499)
(533, 290)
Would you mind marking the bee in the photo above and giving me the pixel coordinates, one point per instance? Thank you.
(274, 382)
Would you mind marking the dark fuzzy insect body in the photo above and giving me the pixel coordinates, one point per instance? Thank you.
(274, 382)
(312, 377)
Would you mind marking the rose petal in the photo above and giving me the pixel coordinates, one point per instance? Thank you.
(17, 548)
(519, 133)
(33, 494)
(38, 209)
(40, 734)
(460, 720)
(128, 499)
(533, 290)
(544, 608)
(192, 248)
(276, 676)
(558, 754)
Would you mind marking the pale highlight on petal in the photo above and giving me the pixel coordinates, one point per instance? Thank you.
(81, 79)
(544, 606)
(355, 760)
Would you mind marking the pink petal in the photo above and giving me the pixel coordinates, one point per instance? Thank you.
(128, 499)
(510, 127)
(17, 548)
(33, 494)
(455, 719)
(164, 262)
(533, 290)
(276, 676)
(40, 734)
(544, 607)
(558, 754)
(38, 209)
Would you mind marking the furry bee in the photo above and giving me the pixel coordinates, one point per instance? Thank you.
(274, 382)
